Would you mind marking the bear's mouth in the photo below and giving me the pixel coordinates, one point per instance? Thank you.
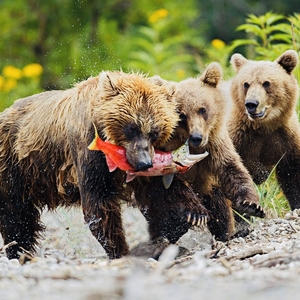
(255, 116)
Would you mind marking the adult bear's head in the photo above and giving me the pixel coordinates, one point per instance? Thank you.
(135, 113)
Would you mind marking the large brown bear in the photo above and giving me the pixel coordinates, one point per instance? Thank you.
(202, 106)
(45, 161)
(264, 123)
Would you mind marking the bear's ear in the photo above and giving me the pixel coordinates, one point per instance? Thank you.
(237, 61)
(108, 82)
(171, 89)
(169, 85)
(288, 60)
(212, 74)
(158, 80)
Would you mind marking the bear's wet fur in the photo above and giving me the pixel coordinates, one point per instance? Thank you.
(45, 162)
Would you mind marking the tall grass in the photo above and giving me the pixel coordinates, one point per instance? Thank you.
(272, 198)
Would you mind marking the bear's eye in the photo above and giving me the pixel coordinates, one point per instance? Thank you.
(131, 131)
(266, 84)
(202, 111)
(182, 117)
(246, 85)
(153, 135)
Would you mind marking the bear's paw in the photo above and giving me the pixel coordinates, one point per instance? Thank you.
(251, 209)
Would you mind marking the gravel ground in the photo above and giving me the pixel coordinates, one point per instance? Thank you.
(71, 265)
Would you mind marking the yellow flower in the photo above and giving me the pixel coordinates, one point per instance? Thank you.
(32, 70)
(1, 82)
(218, 44)
(158, 15)
(180, 73)
(9, 84)
(12, 72)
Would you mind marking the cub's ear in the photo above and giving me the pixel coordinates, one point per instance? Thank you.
(171, 89)
(158, 80)
(212, 74)
(109, 82)
(237, 61)
(288, 60)
(169, 85)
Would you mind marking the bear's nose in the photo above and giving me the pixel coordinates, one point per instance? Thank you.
(251, 106)
(144, 165)
(195, 139)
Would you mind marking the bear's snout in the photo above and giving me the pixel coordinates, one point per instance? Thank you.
(195, 139)
(251, 106)
(139, 153)
(144, 165)
(140, 160)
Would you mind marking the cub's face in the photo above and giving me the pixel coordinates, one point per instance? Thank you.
(265, 90)
(201, 108)
(199, 112)
(135, 113)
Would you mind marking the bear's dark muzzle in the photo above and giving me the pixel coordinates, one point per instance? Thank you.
(195, 140)
(144, 165)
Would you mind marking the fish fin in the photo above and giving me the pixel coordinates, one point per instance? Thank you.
(93, 144)
(130, 177)
(167, 180)
(111, 165)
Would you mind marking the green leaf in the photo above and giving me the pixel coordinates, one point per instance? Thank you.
(243, 42)
(255, 20)
(280, 37)
(277, 27)
(143, 56)
(149, 33)
(273, 18)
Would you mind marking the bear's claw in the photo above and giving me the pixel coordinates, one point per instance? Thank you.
(251, 209)
(198, 220)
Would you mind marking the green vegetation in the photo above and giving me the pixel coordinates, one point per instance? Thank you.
(52, 44)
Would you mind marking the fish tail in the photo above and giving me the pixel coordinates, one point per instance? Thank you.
(93, 145)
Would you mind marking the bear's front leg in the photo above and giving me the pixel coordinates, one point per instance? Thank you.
(238, 186)
(222, 222)
(101, 208)
(105, 223)
(171, 212)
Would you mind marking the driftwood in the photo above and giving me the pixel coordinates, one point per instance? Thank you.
(275, 258)
(248, 252)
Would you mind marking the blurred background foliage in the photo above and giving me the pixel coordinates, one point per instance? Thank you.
(74, 39)
(52, 44)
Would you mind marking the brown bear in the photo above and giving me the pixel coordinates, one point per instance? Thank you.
(202, 106)
(45, 161)
(264, 123)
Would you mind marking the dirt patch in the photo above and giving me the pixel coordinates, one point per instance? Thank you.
(71, 265)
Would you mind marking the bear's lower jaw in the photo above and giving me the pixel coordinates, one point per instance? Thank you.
(256, 116)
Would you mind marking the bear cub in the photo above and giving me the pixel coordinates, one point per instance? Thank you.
(220, 180)
(264, 123)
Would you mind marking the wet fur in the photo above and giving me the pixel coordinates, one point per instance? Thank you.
(45, 162)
